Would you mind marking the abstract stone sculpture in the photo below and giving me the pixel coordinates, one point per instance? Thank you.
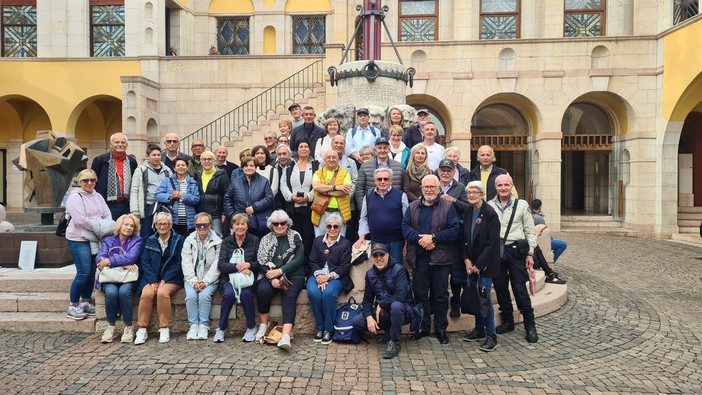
(49, 163)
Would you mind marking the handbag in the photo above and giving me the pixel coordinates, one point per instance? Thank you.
(360, 255)
(239, 280)
(62, 225)
(474, 299)
(274, 333)
(119, 275)
(321, 201)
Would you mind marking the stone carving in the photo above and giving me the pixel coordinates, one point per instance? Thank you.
(346, 115)
(49, 163)
(6, 227)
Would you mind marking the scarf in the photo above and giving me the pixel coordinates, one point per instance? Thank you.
(399, 149)
(416, 173)
(269, 243)
(114, 189)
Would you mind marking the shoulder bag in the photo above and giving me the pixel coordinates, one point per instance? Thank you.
(474, 299)
(509, 226)
(321, 201)
(63, 223)
(239, 280)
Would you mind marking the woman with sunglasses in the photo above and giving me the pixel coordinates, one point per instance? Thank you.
(280, 256)
(330, 263)
(199, 262)
(84, 204)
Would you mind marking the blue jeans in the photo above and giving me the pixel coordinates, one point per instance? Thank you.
(199, 304)
(119, 297)
(394, 249)
(480, 322)
(83, 283)
(558, 247)
(324, 303)
(217, 225)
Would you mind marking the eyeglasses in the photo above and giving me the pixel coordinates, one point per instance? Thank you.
(276, 224)
(268, 138)
(429, 187)
(386, 179)
(206, 159)
(445, 169)
(201, 226)
(333, 226)
(88, 180)
(198, 146)
(162, 224)
(472, 193)
(171, 141)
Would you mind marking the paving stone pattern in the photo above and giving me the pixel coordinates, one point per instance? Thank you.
(631, 325)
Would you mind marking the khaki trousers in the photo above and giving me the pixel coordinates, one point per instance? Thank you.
(163, 304)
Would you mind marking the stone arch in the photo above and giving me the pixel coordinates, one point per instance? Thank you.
(231, 7)
(440, 114)
(149, 35)
(152, 135)
(130, 100)
(130, 127)
(149, 10)
(308, 6)
(599, 57)
(418, 59)
(21, 118)
(620, 113)
(269, 37)
(95, 119)
(524, 106)
(508, 59)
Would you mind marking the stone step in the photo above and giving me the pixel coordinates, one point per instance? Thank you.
(44, 322)
(688, 216)
(694, 230)
(587, 218)
(33, 301)
(42, 280)
(601, 231)
(696, 210)
(690, 238)
(590, 224)
(689, 223)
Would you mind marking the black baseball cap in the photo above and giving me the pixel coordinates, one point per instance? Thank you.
(292, 106)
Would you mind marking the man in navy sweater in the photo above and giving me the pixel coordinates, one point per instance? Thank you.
(382, 213)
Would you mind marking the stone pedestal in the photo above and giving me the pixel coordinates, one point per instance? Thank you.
(358, 90)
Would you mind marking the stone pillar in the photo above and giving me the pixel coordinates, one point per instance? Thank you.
(546, 173)
(140, 113)
(357, 90)
(145, 29)
(63, 29)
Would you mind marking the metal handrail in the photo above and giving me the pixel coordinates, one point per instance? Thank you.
(282, 94)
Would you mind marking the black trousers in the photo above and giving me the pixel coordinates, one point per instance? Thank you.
(513, 270)
(430, 287)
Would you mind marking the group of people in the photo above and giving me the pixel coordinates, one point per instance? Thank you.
(287, 219)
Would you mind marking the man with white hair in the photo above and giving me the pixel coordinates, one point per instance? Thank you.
(486, 171)
(114, 171)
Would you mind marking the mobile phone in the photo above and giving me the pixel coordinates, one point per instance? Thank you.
(300, 194)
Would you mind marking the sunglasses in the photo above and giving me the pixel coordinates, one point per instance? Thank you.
(88, 180)
(200, 226)
(279, 223)
(333, 226)
(382, 179)
(171, 141)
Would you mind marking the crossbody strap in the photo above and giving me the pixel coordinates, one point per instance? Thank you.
(511, 218)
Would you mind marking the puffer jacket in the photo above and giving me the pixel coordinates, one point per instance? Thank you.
(212, 199)
(260, 192)
(191, 198)
(151, 270)
(229, 244)
(81, 208)
(385, 287)
(204, 270)
(365, 182)
(133, 247)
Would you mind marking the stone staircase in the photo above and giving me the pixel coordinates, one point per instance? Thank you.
(36, 301)
(594, 224)
(689, 219)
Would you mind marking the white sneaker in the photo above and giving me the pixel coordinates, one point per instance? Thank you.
(249, 335)
(109, 334)
(202, 332)
(87, 308)
(218, 336)
(141, 336)
(76, 313)
(262, 328)
(128, 334)
(192, 332)
(164, 335)
(284, 343)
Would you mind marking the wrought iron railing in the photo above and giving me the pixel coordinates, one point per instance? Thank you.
(499, 142)
(282, 94)
(587, 142)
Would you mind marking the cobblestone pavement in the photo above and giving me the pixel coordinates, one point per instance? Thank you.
(631, 325)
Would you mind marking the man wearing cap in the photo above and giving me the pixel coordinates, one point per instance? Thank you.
(414, 135)
(361, 134)
(431, 229)
(296, 114)
(366, 180)
(387, 300)
(381, 215)
(308, 130)
(454, 192)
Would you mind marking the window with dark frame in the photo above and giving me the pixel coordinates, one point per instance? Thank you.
(107, 28)
(499, 19)
(584, 18)
(19, 28)
(684, 10)
(233, 35)
(309, 34)
(418, 20)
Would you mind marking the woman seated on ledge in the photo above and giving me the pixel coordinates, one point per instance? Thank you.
(121, 250)
(248, 243)
(330, 262)
(161, 277)
(280, 256)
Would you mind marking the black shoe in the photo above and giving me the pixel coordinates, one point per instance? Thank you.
(419, 334)
(326, 338)
(318, 336)
(455, 312)
(554, 279)
(392, 350)
(489, 344)
(531, 335)
(507, 326)
(384, 339)
(443, 337)
(474, 335)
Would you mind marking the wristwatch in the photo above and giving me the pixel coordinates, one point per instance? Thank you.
(433, 239)
(333, 188)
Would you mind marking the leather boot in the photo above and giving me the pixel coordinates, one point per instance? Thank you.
(507, 325)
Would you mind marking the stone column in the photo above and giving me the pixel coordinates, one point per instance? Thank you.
(546, 173)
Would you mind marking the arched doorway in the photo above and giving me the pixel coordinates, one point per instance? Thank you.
(93, 121)
(585, 153)
(690, 161)
(504, 128)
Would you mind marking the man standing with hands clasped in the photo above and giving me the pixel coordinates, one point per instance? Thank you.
(514, 264)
